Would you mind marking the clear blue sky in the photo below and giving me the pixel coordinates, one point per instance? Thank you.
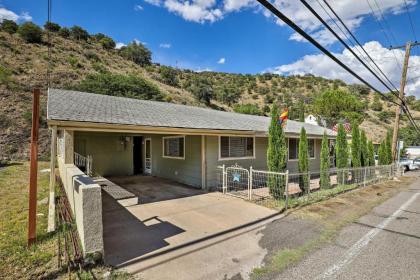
(201, 34)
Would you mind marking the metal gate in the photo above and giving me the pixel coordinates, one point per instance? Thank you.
(236, 181)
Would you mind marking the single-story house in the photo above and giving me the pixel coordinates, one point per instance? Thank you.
(126, 136)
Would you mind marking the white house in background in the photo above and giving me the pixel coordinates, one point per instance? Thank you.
(311, 119)
(413, 151)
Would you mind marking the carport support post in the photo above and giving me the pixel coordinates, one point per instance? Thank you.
(203, 162)
(68, 146)
(51, 209)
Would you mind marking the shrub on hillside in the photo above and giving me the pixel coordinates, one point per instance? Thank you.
(385, 116)
(30, 32)
(249, 109)
(92, 55)
(121, 85)
(78, 33)
(107, 43)
(202, 89)
(168, 75)
(51, 26)
(376, 104)
(137, 53)
(64, 32)
(9, 26)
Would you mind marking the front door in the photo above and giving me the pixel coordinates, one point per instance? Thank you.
(148, 156)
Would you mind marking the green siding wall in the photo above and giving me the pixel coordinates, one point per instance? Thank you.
(187, 171)
(110, 156)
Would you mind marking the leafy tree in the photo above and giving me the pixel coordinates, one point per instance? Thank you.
(120, 85)
(78, 33)
(376, 104)
(324, 180)
(51, 26)
(276, 155)
(364, 152)
(303, 162)
(355, 146)
(107, 43)
(30, 32)
(333, 105)
(371, 154)
(137, 53)
(250, 109)
(228, 94)
(409, 135)
(202, 89)
(64, 32)
(416, 105)
(99, 36)
(9, 26)
(169, 75)
(385, 116)
(341, 152)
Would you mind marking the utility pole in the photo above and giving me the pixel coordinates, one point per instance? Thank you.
(401, 93)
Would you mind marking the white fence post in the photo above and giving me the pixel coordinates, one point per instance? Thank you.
(223, 179)
(250, 183)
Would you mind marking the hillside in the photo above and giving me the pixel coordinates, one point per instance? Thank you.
(81, 64)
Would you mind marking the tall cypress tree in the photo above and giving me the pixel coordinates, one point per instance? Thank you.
(388, 147)
(382, 157)
(276, 154)
(303, 162)
(371, 154)
(355, 146)
(341, 153)
(324, 180)
(364, 159)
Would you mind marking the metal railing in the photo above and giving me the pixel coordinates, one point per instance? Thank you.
(260, 184)
(83, 163)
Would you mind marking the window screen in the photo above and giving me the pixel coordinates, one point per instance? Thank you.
(173, 147)
(236, 147)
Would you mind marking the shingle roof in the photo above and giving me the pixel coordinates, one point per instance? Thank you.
(65, 105)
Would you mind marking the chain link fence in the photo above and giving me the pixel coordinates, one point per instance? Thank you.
(260, 184)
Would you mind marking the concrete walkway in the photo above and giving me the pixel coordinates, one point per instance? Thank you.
(192, 235)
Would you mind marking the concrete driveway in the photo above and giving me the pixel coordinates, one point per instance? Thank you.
(176, 232)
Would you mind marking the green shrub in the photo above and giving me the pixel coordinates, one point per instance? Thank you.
(385, 116)
(64, 32)
(99, 67)
(5, 75)
(341, 152)
(27, 116)
(78, 33)
(73, 61)
(9, 26)
(202, 89)
(250, 109)
(137, 53)
(168, 75)
(30, 32)
(376, 104)
(91, 55)
(51, 26)
(121, 85)
(355, 146)
(107, 43)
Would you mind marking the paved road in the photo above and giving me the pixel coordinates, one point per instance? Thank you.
(385, 244)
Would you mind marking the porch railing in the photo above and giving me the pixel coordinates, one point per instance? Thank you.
(84, 163)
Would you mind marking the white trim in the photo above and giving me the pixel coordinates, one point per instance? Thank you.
(236, 158)
(163, 146)
(151, 165)
(297, 159)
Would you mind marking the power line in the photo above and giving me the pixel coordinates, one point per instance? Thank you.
(385, 34)
(357, 41)
(410, 20)
(305, 35)
(345, 44)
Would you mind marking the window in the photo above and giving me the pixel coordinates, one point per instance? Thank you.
(236, 147)
(174, 147)
(294, 148)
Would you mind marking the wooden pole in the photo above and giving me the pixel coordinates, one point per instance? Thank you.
(398, 109)
(33, 172)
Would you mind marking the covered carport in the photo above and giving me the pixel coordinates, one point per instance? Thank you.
(169, 218)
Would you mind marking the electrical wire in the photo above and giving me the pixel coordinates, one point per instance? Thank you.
(305, 35)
